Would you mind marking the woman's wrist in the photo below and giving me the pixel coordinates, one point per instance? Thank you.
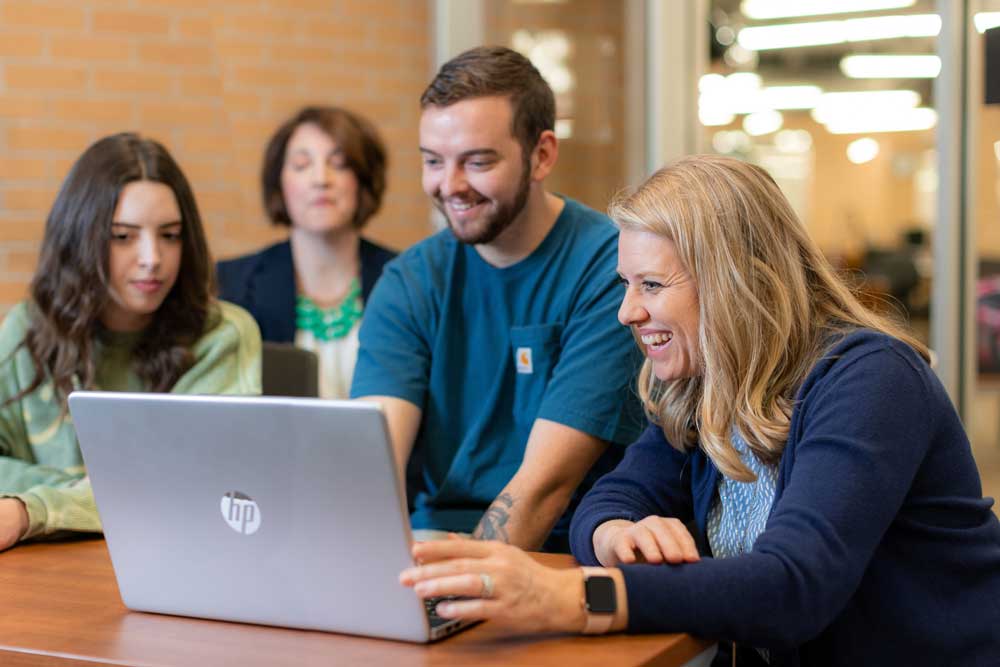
(620, 622)
(576, 613)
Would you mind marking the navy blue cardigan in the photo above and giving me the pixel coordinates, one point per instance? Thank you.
(879, 549)
(264, 284)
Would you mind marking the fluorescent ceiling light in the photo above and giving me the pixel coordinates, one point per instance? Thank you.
(891, 27)
(779, 9)
(986, 20)
(722, 96)
(890, 67)
(710, 82)
(909, 98)
(766, 99)
(762, 122)
(862, 103)
(791, 35)
(862, 150)
(712, 116)
(743, 81)
(741, 93)
(905, 120)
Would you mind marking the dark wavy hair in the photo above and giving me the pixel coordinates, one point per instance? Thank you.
(364, 154)
(71, 288)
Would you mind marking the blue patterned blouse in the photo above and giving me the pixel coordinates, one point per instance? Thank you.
(740, 510)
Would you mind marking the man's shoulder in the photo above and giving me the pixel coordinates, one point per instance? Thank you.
(431, 254)
(417, 276)
(585, 229)
(587, 220)
(586, 241)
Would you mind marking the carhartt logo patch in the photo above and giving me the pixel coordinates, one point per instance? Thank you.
(524, 360)
(240, 512)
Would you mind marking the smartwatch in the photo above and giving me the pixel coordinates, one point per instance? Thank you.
(600, 600)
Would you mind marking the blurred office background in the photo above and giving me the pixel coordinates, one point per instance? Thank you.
(873, 116)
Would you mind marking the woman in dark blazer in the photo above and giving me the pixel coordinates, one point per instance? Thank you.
(323, 177)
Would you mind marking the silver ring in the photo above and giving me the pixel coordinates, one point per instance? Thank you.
(487, 591)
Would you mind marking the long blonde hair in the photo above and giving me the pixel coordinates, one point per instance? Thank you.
(770, 305)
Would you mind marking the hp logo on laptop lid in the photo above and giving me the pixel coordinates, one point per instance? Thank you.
(240, 512)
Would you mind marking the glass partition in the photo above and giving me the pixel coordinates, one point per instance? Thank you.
(578, 47)
(839, 107)
(983, 144)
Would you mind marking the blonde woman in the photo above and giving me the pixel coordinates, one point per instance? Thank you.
(836, 510)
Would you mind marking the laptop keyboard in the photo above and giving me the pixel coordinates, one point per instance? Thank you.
(430, 605)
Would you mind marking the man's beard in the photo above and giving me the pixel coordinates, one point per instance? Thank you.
(495, 224)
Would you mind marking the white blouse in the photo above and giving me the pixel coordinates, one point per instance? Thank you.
(336, 360)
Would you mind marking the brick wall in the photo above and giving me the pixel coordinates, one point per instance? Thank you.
(210, 79)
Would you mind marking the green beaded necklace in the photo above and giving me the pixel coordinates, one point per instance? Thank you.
(328, 324)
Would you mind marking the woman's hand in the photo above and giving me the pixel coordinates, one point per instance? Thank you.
(503, 583)
(13, 522)
(655, 539)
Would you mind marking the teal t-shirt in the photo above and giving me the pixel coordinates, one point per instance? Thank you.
(484, 351)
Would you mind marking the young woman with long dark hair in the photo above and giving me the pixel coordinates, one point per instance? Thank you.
(122, 300)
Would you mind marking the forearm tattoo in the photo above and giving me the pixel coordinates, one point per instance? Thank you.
(493, 525)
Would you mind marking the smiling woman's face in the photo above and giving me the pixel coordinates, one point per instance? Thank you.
(660, 304)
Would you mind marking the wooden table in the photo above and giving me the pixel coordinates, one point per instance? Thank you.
(59, 605)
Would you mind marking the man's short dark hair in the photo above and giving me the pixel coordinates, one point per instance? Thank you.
(364, 154)
(486, 71)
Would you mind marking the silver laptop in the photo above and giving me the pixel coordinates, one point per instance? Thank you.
(279, 511)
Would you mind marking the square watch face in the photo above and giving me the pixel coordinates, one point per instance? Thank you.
(600, 595)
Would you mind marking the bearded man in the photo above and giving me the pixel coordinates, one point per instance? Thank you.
(494, 346)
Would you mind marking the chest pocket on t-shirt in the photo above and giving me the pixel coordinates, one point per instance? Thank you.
(535, 351)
